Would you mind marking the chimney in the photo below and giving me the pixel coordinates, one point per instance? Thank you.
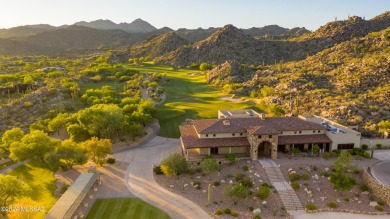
(226, 122)
(262, 116)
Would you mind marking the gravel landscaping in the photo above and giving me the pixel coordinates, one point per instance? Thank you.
(315, 186)
(185, 185)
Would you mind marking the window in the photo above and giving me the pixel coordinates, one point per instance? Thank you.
(233, 134)
(314, 131)
(240, 134)
(319, 131)
(259, 136)
(207, 135)
(213, 150)
(281, 132)
(269, 136)
(214, 135)
(345, 146)
(300, 132)
(295, 132)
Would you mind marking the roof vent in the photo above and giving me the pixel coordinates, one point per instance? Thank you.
(226, 122)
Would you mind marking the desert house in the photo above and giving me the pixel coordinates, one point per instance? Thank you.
(250, 134)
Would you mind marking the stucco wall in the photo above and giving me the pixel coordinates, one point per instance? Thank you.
(223, 150)
(384, 142)
(193, 151)
(344, 138)
(379, 190)
(304, 132)
(238, 150)
(204, 151)
(223, 135)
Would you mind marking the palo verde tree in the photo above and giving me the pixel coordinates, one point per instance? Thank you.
(237, 192)
(97, 149)
(11, 188)
(11, 136)
(71, 153)
(35, 144)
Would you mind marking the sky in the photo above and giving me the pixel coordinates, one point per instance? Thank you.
(189, 14)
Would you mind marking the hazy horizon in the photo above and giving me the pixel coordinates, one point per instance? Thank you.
(177, 14)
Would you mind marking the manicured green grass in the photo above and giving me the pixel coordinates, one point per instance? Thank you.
(133, 208)
(188, 96)
(42, 183)
(6, 164)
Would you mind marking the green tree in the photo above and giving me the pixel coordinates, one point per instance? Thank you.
(71, 153)
(11, 136)
(58, 122)
(147, 107)
(209, 165)
(267, 91)
(227, 88)
(204, 66)
(384, 126)
(11, 188)
(77, 133)
(98, 149)
(36, 144)
(342, 162)
(315, 149)
(276, 110)
(237, 192)
(134, 130)
(174, 164)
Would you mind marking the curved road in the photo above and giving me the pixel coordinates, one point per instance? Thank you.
(140, 181)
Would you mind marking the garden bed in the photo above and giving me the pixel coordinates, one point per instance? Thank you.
(184, 186)
(318, 189)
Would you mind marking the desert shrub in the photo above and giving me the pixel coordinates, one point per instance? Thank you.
(197, 183)
(294, 185)
(256, 217)
(216, 183)
(263, 192)
(346, 199)
(381, 202)
(379, 146)
(371, 198)
(364, 187)
(332, 204)
(378, 208)
(234, 214)
(111, 160)
(336, 151)
(364, 147)
(342, 182)
(231, 158)
(27, 104)
(63, 189)
(227, 211)
(328, 155)
(247, 182)
(250, 208)
(157, 170)
(305, 176)
(311, 207)
(209, 165)
(294, 176)
(239, 177)
(245, 168)
(366, 155)
(219, 212)
(314, 168)
(173, 165)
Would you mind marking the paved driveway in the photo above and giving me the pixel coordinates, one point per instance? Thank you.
(382, 154)
(336, 215)
(140, 181)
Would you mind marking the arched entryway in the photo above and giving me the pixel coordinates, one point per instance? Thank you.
(264, 149)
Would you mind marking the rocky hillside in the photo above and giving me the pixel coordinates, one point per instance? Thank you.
(24, 31)
(229, 72)
(158, 45)
(349, 82)
(137, 26)
(275, 30)
(228, 43)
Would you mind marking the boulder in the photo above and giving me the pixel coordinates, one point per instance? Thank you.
(257, 211)
(373, 204)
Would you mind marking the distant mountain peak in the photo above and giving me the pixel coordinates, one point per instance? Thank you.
(136, 26)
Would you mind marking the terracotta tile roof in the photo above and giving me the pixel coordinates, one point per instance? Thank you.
(262, 130)
(303, 139)
(237, 125)
(191, 139)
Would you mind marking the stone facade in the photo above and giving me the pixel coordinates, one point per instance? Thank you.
(380, 191)
(255, 142)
